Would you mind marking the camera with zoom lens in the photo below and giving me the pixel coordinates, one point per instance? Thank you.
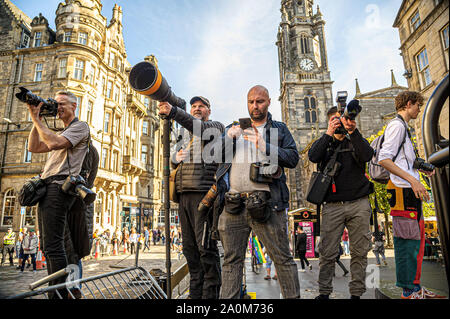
(76, 186)
(264, 172)
(420, 164)
(350, 111)
(50, 107)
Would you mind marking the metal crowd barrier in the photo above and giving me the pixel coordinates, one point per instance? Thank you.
(129, 283)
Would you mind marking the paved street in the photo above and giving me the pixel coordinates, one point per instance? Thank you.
(13, 282)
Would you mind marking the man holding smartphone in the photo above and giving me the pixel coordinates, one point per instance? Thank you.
(257, 201)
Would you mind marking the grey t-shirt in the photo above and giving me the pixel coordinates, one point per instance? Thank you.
(246, 153)
(78, 135)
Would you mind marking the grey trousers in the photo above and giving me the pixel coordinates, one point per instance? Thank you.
(355, 215)
(234, 232)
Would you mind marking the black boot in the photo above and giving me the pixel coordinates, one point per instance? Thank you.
(322, 297)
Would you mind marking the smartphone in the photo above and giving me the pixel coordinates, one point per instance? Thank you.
(245, 123)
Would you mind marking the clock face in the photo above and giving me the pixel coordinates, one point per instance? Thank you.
(306, 64)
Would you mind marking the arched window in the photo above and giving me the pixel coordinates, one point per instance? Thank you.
(9, 204)
(98, 209)
(310, 109)
(305, 44)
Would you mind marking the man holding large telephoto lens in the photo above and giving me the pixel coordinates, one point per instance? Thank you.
(68, 150)
(193, 180)
(346, 202)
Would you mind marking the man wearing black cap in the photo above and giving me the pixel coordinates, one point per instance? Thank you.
(194, 178)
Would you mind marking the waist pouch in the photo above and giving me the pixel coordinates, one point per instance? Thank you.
(234, 203)
(319, 185)
(258, 206)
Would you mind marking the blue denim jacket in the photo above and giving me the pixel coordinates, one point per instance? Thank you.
(287, 158)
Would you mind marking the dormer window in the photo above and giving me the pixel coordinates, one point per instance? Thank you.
(37, 39)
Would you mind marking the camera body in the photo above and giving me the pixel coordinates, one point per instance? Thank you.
(76, 186)
(420, 164)
(264, 172)
(50, 107)
(350, 111)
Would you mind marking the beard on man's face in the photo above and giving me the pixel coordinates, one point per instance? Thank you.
(257, 115)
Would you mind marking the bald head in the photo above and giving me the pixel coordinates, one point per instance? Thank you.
(258, 102)
(259, 89)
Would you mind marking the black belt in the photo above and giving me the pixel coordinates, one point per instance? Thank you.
(343, 201)
(54, 178)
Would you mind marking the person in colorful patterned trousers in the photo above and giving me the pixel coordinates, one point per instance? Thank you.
(407, 195)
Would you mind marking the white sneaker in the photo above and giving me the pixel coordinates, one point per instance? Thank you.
(302, 270)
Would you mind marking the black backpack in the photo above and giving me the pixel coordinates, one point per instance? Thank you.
(89, 167)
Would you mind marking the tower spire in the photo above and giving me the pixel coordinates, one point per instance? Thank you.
(358, 91)
(393, 82)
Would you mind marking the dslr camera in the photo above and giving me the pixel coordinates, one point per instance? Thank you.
(76, 186)
(350, 111)
(420, 164)
(50, 107)
(264, 172)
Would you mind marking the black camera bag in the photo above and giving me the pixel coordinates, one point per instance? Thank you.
(320, 182)
(258, 206)
(32, 191)
(234, 203)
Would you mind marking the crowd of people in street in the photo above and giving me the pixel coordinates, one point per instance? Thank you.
(126, 241)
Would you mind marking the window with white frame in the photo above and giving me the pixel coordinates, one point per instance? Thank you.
(95, 44)
(107, 122)
(92, 75)
(109, 90)
(25, 42)
(89, 112)
(38, 72)
(82, 38)
(423, 68)
(117, 93)
(79, 103)
(98, 208)
(151, 156)
(145, 128)
(30, 216)
(67, 36)
(62, 71)
(9, 205)
(115, 161)
(444, 37)
(79, 70)
(146, 102)
(27, 157)
(144, 154)
(104, 157)
(414, 21)
(37, 39)
(112, 57)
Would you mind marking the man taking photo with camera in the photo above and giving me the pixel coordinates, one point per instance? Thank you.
(400, 157)
(346, 202)
(193, 180)
(68, 150)
(255, 197)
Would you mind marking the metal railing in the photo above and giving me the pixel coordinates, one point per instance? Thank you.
(129, 283)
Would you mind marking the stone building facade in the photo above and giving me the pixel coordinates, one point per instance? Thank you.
(305, 83)
(423, 29)
(85, 55)
(378, 107)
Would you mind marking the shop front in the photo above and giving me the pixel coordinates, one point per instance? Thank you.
(306, 218)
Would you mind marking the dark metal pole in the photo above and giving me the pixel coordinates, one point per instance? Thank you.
(139, 232)
(166, 174)
(439, 181)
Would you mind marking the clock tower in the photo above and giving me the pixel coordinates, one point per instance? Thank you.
(305, 85)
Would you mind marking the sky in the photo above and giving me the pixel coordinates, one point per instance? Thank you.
(221, 48)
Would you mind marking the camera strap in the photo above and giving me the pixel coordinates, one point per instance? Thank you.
(408, 133)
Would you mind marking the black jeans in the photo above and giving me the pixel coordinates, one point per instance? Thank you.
(52, 215)
(203, 263)
(302, 256)
(25, 258)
